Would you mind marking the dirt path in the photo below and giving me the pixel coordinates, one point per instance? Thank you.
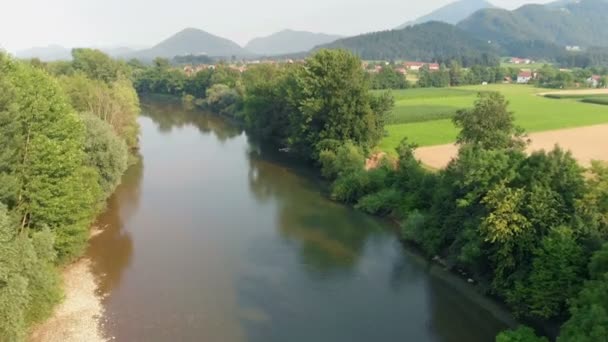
(577, 92)
(77, 318)
(586, 144)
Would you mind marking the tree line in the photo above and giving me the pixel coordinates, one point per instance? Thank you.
(67, 133)
(531, 230)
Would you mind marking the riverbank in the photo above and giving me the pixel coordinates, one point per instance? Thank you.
(78, 317)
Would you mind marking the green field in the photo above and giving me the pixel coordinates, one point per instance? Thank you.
(423, 115)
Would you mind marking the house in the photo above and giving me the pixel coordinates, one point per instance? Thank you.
(594, 81)
(524, 77)
(516, 60)
(402, 71)
(413, 65)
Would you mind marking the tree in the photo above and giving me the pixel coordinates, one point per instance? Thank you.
(521, 334)
(116, 103)
(489, 124)
(105, 152)
(334, 104)
(555, 278)
(29, 283)
(97, 65)
(589, 314)
(43, 161)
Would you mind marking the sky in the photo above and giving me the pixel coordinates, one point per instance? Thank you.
(142, 23)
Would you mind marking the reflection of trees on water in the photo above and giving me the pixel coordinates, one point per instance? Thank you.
(332, 237)
(111, 251)
(454, 314)
(170, 114)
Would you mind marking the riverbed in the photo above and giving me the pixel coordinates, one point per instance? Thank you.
(215, 237)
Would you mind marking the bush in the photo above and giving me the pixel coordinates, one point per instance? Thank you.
(411, 229)
(105, 151)
(29, 283)
(521, 334)
(382, 202)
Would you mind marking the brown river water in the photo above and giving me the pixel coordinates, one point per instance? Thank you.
(213, 237)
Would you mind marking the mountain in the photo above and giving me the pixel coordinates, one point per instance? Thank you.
(580, 22)
(288, 41)
(46, 53)
(433, 41)
(451, 13)
(192, 41)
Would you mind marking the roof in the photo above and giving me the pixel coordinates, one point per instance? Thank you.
(525, 74)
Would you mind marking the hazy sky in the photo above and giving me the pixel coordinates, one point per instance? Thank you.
(26, 23)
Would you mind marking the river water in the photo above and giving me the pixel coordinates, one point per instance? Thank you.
(212, 237)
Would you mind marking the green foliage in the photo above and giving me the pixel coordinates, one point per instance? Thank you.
(105, 152)
(116, 103)
(346, 159)
(557, 272)
(97, 65)
(29, 283)
(43, 157)
(380, 203)
(489, 125)
(334, 104)
(589, 314)
(598, 266)
(222, 99)
(388, 78)
(433, 41)
(521, 334)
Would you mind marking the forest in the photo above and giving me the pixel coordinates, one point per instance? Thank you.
(68, 132)
(529, 230)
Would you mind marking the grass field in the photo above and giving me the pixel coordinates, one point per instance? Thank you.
(423, 115)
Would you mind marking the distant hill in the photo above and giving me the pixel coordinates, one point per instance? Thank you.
(452, 13)
(46, 53)
(288, 41)
(434, 41)
(581, 22)
(192, 41)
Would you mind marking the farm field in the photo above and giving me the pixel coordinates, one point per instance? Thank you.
(586, 144)
(424, 115)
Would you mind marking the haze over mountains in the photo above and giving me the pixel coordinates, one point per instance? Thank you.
(288, 41)
(582, 23)
(451, 13)
(531, 30)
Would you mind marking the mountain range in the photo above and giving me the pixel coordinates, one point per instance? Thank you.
(288, 41)
(540, 31)
(451, 13)
(582, 23)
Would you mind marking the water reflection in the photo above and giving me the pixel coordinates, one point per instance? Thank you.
(225, 239)
(170, 113)
(111, 250)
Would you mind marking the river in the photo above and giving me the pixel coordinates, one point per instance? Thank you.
(212, 237)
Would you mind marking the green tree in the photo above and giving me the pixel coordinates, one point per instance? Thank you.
(334, 103)
(521, 334)
(43, 160)
(29, 283)
(97, 65)
(589, 314)
(558, 268)
(105, 151)
(489, 124)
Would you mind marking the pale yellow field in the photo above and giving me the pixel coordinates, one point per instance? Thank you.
(586, 144)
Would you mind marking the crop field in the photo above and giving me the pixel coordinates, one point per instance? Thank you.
(424, 115)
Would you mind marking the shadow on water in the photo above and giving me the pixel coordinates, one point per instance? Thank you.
(112, 249)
